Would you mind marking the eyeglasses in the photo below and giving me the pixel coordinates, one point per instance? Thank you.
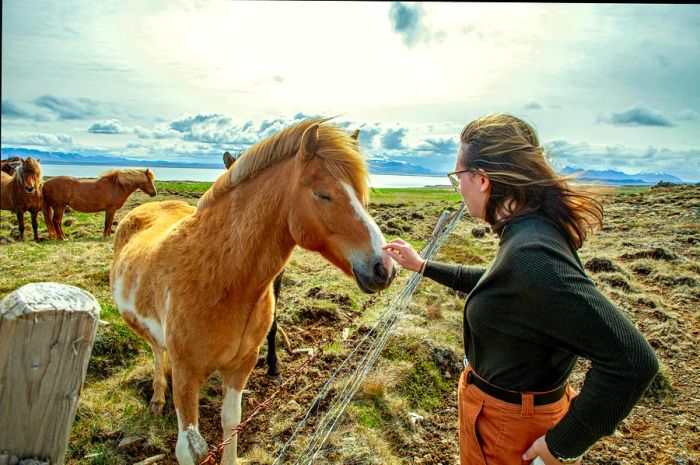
(454, 179)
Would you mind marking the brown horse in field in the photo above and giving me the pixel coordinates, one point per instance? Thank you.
(107, 193)
(21, 192)
(196, 283)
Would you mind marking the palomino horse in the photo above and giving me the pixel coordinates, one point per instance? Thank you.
(197, 283)
(21, 192)
(108, 193)
(273, 370)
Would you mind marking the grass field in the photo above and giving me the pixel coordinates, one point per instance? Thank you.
(646, 259)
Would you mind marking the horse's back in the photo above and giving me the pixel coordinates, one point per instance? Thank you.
(151, 221)
(58, 189)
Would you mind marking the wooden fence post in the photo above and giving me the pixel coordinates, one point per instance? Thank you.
(46, 335)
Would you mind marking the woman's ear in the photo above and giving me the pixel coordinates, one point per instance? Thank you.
(484, 182)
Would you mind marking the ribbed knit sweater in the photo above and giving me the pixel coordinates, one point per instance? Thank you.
(532, 313)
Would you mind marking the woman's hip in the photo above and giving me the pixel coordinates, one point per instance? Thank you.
(495, 432)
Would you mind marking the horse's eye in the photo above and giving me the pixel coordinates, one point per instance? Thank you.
(322, 197)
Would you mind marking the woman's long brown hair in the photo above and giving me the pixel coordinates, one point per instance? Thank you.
(508, 151)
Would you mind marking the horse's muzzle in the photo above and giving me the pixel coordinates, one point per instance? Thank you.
(153, 194)
(29, 189)
(373, 276)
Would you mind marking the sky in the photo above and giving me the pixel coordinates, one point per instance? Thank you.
(607, 86)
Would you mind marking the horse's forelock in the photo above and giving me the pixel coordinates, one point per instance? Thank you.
(29, 167)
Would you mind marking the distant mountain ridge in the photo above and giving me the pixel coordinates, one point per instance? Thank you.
(377, 165)
(618, 177)
(63, 158)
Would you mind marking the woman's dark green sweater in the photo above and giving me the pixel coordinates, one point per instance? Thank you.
(532, 313)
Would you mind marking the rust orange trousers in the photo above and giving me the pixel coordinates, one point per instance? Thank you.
(494, 432)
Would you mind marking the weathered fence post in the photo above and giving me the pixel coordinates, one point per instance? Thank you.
(46, 335)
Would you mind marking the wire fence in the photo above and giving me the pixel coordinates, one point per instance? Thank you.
(357, 364)
(362, 357)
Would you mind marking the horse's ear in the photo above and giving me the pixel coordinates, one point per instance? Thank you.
(355, 134)
(309, 142)
(228, 160)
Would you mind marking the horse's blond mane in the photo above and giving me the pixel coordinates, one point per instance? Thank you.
(338, 150)
(128, 177)
(29, 166)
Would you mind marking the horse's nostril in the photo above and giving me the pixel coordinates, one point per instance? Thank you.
(379, 271)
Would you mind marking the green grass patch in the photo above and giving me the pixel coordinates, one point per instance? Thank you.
(184, 187)
(401, 348)
(396, 195)
(116, 345)
(424, 387)
(369, 415)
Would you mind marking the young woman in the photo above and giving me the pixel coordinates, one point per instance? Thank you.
(534, 311)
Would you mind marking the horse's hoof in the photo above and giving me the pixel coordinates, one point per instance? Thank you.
(157, 407)
(278, 378)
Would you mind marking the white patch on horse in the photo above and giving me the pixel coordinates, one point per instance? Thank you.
(126, 303)
(182, 450)
(375, 234)
(230, 418)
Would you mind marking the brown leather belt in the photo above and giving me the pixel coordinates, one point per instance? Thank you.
(512, 396)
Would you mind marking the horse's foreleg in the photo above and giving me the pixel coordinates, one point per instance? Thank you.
(160, 384)
(273, 370)
(234, 382)
(20, 222)
(35, 224)
(186, 386)
(109, 217)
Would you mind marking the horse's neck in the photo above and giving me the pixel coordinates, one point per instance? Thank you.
(244, 235)
(120, 190)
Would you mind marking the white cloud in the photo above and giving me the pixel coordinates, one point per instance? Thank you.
(107, 127)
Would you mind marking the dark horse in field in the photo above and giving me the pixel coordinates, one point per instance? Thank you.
(10, 165)
(21, 192)
(273, 370)
(107, 193)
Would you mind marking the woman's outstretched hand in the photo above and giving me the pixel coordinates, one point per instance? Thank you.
(404, 254)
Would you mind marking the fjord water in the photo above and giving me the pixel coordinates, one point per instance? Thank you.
(210, 174)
